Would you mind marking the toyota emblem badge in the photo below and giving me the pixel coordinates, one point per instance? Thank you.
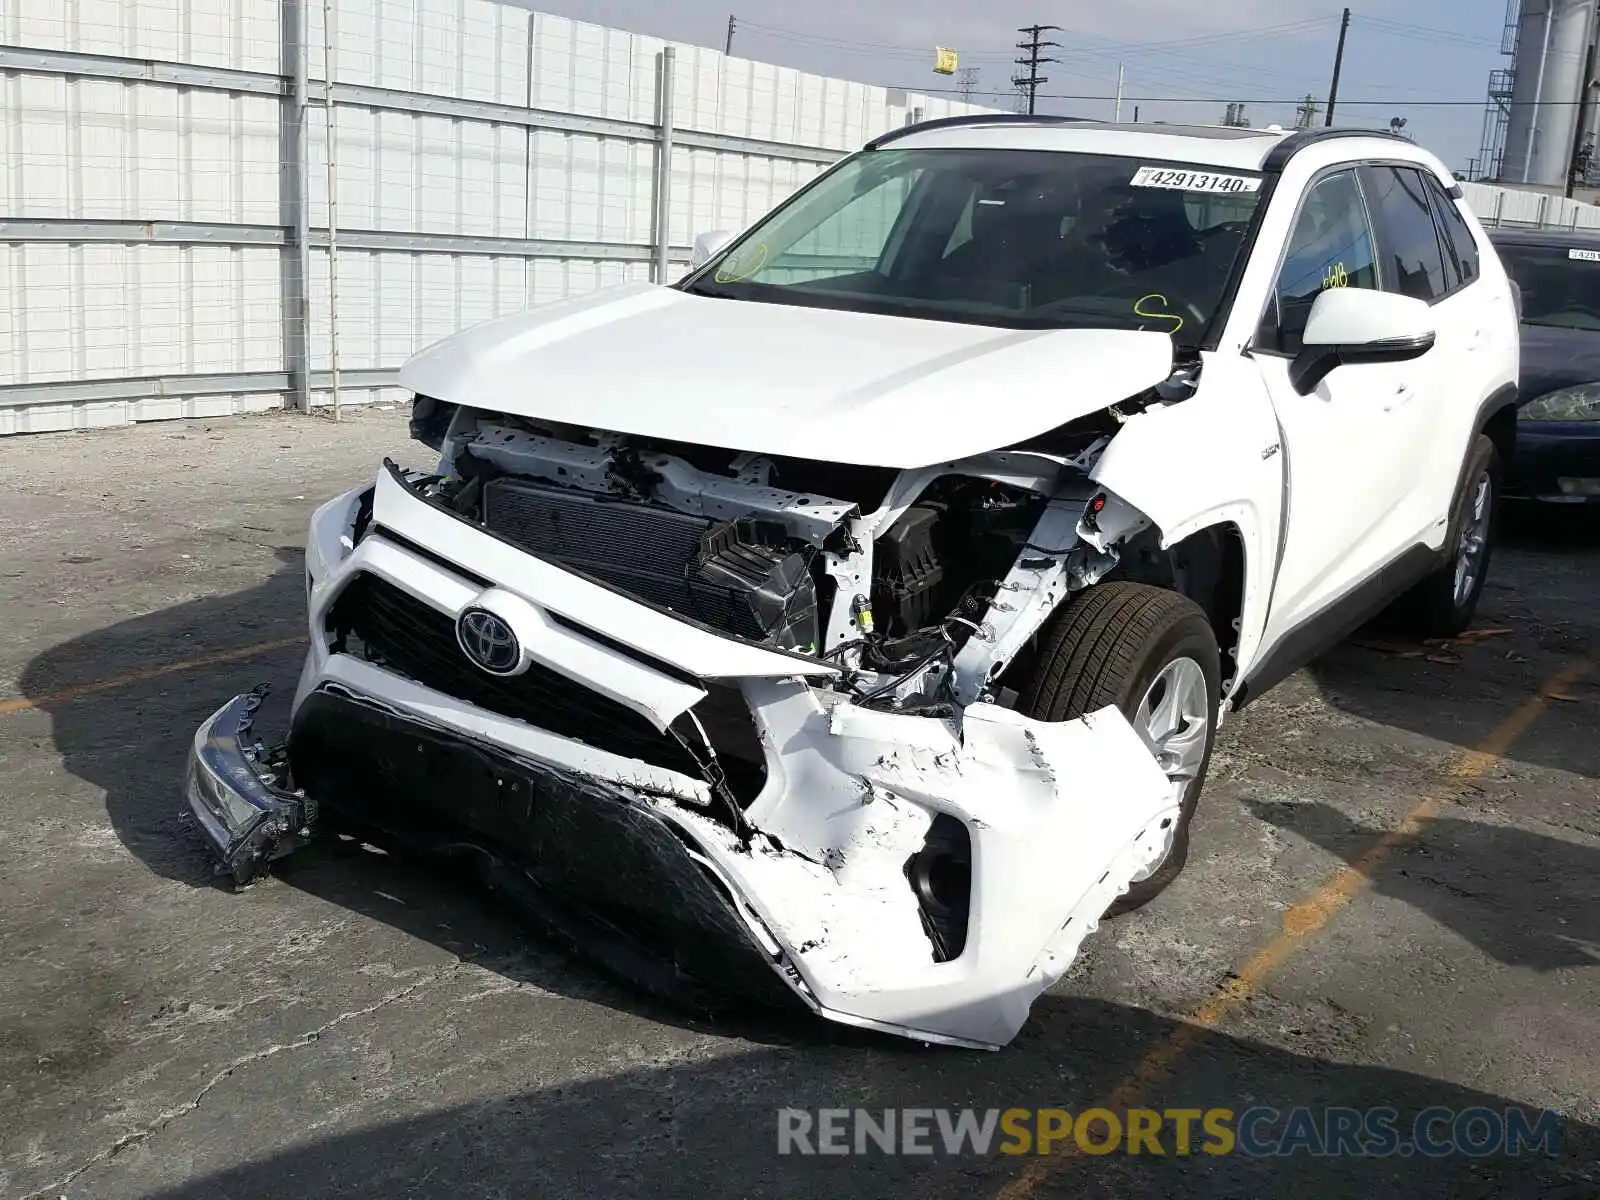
(488, 641)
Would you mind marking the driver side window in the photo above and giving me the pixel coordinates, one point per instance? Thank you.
(1331, 246)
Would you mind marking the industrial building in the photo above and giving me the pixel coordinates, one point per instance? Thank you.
(1540, 120)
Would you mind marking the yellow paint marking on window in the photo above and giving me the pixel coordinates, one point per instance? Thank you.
(733, 269)
(1140, 311)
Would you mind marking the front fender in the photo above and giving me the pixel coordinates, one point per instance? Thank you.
(1214, 459)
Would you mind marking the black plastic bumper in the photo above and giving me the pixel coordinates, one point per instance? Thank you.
(590, 862)
(1557, 461)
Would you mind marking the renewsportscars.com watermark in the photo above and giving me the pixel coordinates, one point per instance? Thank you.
(1258, 1132)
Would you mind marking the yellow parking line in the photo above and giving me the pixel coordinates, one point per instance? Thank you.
(1315, 911)
(23, 703)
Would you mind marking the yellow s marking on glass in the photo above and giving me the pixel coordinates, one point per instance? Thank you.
(1140, 311)
(733, 269)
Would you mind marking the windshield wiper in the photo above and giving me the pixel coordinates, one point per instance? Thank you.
(714, 290)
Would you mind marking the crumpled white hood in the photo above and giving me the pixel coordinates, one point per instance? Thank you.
(814, 383)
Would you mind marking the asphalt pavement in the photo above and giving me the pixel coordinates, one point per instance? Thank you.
(1392, 902)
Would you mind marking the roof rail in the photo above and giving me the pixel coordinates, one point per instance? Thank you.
(883, 139)
(1278, 157)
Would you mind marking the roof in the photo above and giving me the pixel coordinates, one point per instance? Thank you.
(1225, 147)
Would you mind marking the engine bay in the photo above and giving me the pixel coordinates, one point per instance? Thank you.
(899, 578)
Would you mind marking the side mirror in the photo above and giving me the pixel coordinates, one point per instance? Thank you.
(706, 246)
(1349, 326)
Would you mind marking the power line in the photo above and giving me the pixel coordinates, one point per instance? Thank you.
(1389, 102)
(1033, 60)
(1098, 50)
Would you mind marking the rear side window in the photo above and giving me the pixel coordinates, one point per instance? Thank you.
(1409, 257)
(1460, 247)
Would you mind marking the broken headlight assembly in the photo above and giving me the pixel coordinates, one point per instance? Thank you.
(238, 791)
(1577, 403)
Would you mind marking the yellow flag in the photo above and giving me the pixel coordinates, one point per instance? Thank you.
(944, 61)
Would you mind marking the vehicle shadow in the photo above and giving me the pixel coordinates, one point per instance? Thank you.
(1542, 605)
(1524, 899)
(711, 1129)
(130, 742)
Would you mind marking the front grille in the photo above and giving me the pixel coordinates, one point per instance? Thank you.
(387, 626)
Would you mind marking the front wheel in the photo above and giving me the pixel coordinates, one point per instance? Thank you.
(1151, 653)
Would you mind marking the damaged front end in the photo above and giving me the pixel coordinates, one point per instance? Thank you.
(732, 723)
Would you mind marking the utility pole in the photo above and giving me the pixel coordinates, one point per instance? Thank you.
(727, 46)
(1116, 114)
(1028, 84)
(1338, 64)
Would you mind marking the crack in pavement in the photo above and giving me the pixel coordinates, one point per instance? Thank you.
(146, 1132)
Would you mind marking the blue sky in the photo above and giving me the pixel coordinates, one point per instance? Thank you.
(1425, 60)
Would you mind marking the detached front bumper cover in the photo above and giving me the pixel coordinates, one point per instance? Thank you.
(237, 791)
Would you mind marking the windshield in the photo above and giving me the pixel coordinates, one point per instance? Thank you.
(1020, 238)
(1560, 285)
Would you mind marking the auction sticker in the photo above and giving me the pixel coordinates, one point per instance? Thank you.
(1584, 255)
(1194, 181)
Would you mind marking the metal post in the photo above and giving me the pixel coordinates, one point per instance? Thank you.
(1121, 75)
(663, 181)
(295, 206)
(329, 69)
(1538, 90)
(528, 141)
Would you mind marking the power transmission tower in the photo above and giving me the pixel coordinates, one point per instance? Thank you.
(1305, 113)
(1028, 85)
(967, 83)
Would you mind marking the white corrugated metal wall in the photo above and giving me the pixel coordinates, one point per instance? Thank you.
(487, 158)
(1512, 206)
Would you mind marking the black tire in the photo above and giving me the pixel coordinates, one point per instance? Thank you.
(1432, 609)
(1107, 646)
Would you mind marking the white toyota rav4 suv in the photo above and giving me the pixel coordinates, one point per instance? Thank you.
(849, 622)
